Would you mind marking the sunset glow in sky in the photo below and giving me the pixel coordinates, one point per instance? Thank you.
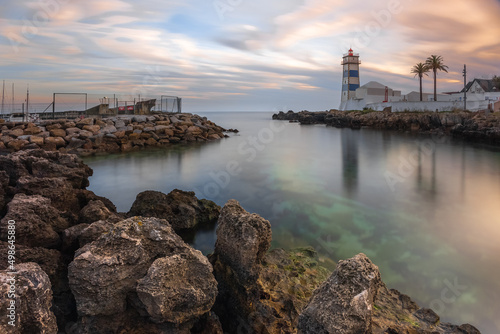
(241, 54)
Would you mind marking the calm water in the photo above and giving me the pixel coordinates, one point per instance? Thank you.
(425, 210)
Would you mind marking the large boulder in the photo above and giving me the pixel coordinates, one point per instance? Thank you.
(242, 240)
(355, 300)
(181, 208)
(37, 222)
(104, 274)
(95, 210)
(344, 303)
(31, 311)
(176, 288)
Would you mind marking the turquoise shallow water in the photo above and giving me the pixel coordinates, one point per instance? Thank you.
(424, 209)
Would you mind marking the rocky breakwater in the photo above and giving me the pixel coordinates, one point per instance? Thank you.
(81, 267)
(471, 126)
(118, 134)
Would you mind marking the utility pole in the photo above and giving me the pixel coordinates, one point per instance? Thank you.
(465, 87)
(3, 96)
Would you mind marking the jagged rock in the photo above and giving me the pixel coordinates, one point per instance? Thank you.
(58, 177)
(257, 293)
(94, 231)
(70, 236)
(344, 303)
(178, 288)
(85, 196)
(37, 221)
(95, 210)
(104, 274)
(4, 183)
(355, 300)
(50, 260)
(180, 208)
(242, 240)
(33, 301)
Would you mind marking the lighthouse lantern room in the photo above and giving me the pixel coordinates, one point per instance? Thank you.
(350, 77)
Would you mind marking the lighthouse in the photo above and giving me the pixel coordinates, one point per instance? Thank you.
(350, 77)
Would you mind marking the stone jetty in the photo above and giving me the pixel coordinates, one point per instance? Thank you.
(466, 125)
(89, 136)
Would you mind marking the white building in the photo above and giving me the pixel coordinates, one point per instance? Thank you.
(481, 94)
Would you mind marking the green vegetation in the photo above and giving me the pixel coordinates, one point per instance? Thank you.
(420, 69)
(409, 320)
(435, 63)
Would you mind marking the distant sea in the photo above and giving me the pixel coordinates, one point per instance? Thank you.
(424, 209)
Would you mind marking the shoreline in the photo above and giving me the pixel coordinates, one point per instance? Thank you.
(473, 127)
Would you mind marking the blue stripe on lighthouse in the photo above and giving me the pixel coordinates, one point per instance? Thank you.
(353, 86)
(354, 73)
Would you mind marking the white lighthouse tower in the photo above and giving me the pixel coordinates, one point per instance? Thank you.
(350, 77)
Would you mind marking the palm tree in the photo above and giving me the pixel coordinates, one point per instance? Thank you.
(436, 63)
(420, 69)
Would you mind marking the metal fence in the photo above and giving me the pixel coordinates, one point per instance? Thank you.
(70, 104)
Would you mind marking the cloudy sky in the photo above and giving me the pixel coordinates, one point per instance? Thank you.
(240, 54)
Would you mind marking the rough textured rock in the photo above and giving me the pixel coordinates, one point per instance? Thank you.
(104, 274)
(95, 210)
(242, 240)
(181, 208)
(62, 178)
(355, 300)
(344, 303)
(178, 288)
(70, 242)
(33, 301)
(50, 260)
(4, 183)
(38, 223)
(94, 231)
(259, 293)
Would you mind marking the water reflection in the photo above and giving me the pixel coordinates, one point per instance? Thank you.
(350, 146)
